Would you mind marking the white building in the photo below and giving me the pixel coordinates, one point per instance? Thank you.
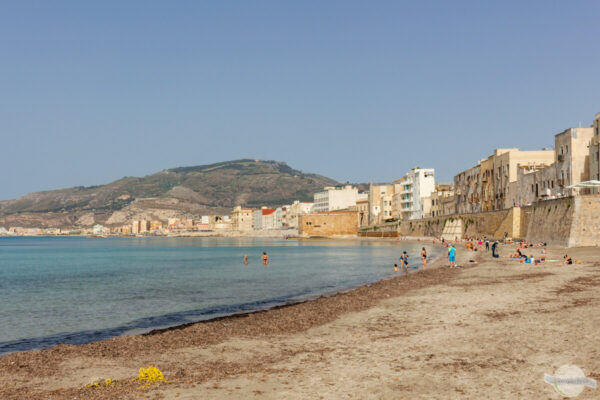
(335, 198)
(267, 218)
(412, 190)
(99, 230)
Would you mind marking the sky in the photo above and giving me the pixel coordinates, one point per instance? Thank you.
(357, 91)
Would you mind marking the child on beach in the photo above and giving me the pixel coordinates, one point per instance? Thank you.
(395, 267)
(424, 257)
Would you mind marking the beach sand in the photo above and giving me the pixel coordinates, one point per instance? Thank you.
(490, 329)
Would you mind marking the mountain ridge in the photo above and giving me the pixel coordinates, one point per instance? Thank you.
(191, 191)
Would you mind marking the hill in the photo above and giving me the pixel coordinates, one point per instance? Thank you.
(192, 191)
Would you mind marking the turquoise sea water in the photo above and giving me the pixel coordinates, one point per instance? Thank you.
(76, 290)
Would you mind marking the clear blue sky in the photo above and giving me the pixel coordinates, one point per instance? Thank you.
(91, 91)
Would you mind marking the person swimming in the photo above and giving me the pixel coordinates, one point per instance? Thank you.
(246, 259)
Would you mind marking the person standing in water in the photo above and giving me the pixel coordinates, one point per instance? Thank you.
(404, 262)
(424, 257)
(265, 258)
(246, 259)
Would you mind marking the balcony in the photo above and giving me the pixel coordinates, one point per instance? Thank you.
(561, 157)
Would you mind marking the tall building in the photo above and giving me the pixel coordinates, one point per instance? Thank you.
(335, 198)
(412, 190)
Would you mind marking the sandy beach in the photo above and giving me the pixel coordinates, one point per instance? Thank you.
(490, 329)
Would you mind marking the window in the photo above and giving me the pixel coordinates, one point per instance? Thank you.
(567, 149)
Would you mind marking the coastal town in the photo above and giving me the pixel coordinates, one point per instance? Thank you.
(508, 179)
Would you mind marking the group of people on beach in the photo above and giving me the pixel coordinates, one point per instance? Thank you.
(404, 261)
(265, 258)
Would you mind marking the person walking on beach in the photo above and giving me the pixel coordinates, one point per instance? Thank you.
(452, 256)
(487, 245)
(424, 257)
(265, 258)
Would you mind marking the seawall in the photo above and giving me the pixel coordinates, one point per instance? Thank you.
(568, 222)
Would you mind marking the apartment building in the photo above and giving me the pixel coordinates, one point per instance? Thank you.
(335, 198)
(468, 187)
(506, 164)
(411, 191)
(570, 166)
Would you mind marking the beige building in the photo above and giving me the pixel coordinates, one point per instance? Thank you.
(289, 216)
(440, 199)
(242, 219)
(570, 166)
(492, 184)
(594, 153)
(380, 200)
(362, 206)
(468, 190)
(506, 164)
(486, 173)
(328, 223)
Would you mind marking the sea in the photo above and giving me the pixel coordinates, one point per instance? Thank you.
(77, 290)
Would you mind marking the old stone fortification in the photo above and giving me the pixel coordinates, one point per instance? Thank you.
(569, 222)
(328, 223)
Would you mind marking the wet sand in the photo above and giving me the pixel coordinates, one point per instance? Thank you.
(488, 330)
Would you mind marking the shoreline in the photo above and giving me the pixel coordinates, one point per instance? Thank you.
(441, 329)
(82, 338)
(279, 319)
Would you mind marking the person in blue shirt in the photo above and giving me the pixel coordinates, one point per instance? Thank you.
(452, 256)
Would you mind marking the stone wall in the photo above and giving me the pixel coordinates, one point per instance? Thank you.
(569, 222)
(550, 222)
(328, 223)
(585, 224)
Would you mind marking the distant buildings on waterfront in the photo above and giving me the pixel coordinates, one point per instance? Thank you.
(507, 178)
